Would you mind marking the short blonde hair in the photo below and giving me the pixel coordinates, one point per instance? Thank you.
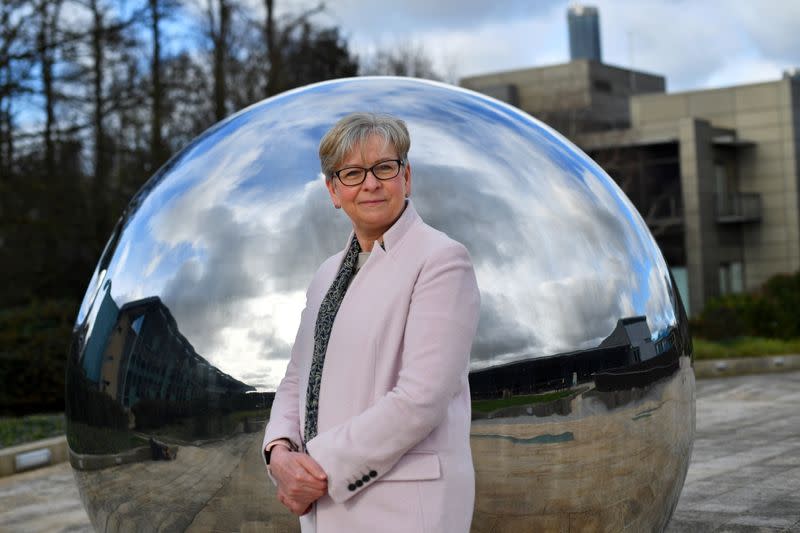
(355, 128)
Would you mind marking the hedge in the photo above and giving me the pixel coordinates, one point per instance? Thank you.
(772, 311)
(34, 340)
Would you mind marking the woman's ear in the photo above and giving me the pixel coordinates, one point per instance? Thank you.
(329, 183)
(407, 178)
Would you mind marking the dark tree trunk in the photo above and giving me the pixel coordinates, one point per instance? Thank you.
(10, 35)
(273, 51)
(6, 141)
(220, 38)
(100, 183)
(48, 13)
(157, 152)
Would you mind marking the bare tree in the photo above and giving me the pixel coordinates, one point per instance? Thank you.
(157, 89)
(278, 37)
(17, 51)
(101, 151)
(403, 59)
(219, 14)
(257, 58)
(97, 81)
(47, 35)
(186, 101)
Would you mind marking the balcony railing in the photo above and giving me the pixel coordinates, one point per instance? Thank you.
(738, 207)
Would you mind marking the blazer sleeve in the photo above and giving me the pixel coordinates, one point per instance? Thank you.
(441, 323)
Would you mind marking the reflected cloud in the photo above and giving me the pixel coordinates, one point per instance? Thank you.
(230, 235)
(501, 335)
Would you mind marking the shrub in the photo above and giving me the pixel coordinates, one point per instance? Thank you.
(772, 311)
(33, 351)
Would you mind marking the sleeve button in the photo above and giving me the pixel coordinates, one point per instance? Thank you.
(351, 487)
(359, 483)
(373, 473)
(365, 479)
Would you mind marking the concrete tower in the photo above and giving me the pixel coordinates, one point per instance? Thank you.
(584, 32)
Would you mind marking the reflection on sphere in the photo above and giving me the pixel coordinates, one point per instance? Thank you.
(582, 385)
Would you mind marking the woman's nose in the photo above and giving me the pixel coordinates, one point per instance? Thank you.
(370, 181)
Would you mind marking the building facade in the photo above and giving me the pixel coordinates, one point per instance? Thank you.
(714, 172)
(576, 97)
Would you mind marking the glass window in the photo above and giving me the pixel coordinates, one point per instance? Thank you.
(724, 281)
(681, 277)
(736, 277)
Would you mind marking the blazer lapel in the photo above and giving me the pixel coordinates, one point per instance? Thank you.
(391, 239)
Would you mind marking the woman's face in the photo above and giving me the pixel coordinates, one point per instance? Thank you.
(374, 204)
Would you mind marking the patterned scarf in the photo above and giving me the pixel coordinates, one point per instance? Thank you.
(322, 332)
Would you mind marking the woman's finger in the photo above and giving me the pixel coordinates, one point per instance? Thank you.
(311, 466)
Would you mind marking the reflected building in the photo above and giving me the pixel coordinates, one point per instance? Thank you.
(633, 334)
(628, 347)
(138, 353)
(93, 359)
(137, 372)
(148, 358)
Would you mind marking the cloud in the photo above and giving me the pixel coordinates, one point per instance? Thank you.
(699, 45)
(385, 18)
(771, 27)
(231, 237)
(664, 38)
(482, 46)
(752, 69)
(501, 335)
(659, 36)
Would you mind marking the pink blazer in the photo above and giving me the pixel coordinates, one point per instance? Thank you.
(394, 408)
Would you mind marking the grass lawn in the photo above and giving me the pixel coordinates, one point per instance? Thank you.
(744, 347)
(487, 406)
(19, 430)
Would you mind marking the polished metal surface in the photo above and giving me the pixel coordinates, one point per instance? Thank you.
(583, 390)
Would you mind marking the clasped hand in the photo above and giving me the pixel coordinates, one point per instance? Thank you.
(301, 481)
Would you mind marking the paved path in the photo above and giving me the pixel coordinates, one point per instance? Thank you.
(745, 468)
(44, 500)
(744, 475)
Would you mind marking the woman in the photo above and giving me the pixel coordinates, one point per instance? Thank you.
(379, 441)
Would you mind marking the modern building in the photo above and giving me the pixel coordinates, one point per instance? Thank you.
(584, 32)
(715, 173)
(575, 97)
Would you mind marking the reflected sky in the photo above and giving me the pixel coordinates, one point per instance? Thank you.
(231, 233)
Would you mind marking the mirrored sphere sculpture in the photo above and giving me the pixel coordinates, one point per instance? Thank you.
(581, 378)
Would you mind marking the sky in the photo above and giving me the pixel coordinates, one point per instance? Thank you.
(694, 44)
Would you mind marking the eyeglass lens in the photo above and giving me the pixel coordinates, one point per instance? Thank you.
(384, 170)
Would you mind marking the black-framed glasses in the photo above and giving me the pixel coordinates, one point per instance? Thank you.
(385, 170)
